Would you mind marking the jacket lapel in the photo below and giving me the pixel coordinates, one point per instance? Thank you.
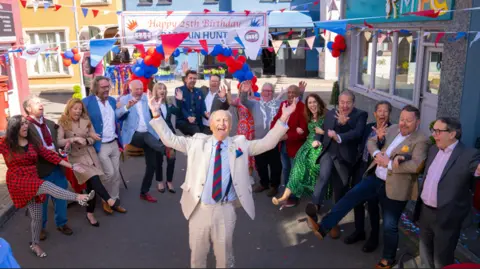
(390, 137)
(455, 154)
(232, 155)
(207, 149)
(398, 149)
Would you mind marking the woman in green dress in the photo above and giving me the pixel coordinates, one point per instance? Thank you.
(305, 169)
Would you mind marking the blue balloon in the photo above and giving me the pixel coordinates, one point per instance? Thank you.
(138, 71)
(214, 53)
(74, 62)
(330, 45)
(227, 52)
(140, 61)
(256, 94)
(249, 75)
(176, 53)
(159, 49)
(245, 67)
(68, 54)
(203, 52)
(240, 75)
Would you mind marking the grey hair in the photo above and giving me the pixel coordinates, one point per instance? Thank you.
(214, 113)
(269, 84)
(96, 84)
(27, 101)
(349, 94)
(131, 82)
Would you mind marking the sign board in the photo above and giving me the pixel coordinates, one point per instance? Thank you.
(7, 29)
(146, 27)
(391, 10)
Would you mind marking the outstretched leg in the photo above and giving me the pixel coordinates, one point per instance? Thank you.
(285, 196)
(59, 193)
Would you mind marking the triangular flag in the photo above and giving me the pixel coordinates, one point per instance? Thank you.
(316, 3)
(282, 10)
(46, 5)
(269, 11)
(319, 50)
(57, 7)
(204, 44)
(477, 37)
(119, 12)
(293, 44)
(35, 6)
(47, 54)
(367, 24)
(116, 49)
(130, 51)
(425, 13)
(332, 6)
(276, 45)
(439, 36)
(171, 41)
(85, 11)
(252, 39)
(95, 12)
(33, 51)
(98, 49)
(169, 12)
(105, 12)
(231, 11)
(206, 10)
(24, 3)
(140, 48)
(458, 36)
(247, 12)
(310, 40)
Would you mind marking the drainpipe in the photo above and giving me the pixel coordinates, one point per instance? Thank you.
(225, 5)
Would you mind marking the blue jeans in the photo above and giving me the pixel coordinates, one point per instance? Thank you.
(369, 188)
(58, 178)
(287, 164)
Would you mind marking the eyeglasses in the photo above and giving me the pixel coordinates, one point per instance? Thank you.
(438, 131)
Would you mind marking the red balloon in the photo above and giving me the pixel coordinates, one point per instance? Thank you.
(230, 61)
(339, 39)
(336, 46)
(242, 59)
(255, 88)
(151, 51)
(238, 85)
(221, 58)
(254, 80)
(238, 65)
(231, 69)
(75, 51)
(342, 46)
(335, 53)
(148, 60)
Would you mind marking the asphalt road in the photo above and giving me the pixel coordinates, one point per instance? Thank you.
(156, 235)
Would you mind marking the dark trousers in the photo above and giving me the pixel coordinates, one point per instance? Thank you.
(139, 141)
(287, 164)
(188, 128)
(159, 166)
(269, 159)
(94, 183)
(330, 171)
(437, 244)
(372, 205)
(369, 188)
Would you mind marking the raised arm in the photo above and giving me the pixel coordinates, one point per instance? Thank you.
(416, 164)
(357, 131)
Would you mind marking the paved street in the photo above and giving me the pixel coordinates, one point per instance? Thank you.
(156, 235)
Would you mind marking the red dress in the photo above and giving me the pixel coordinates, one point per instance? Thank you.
(245, 126)
(22, 177)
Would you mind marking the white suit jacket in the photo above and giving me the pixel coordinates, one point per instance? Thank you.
(199, 149)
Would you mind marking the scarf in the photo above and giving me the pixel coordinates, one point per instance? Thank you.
(47, 137)
(273, 109)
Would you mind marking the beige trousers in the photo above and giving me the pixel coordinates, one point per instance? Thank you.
(109, 157)
(212, 223)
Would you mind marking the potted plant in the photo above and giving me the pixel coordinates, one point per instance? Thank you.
(221, 72)
(206, 74)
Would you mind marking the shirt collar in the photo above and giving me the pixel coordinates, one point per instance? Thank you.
(450, 148)
(224, 142)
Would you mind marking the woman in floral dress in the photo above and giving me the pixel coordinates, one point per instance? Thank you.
(305, 169)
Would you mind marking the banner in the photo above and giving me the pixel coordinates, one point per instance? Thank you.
(31, 52)
(252, 39)
(147, 27)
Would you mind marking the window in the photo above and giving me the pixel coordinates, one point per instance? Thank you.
(94, 2)
(39, 2)
(387, 63)
(164, 2)
(210, 1)
(145, 2)
(49, 63)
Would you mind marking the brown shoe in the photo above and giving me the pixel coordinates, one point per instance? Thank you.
(107, 208)
(335, 232)
(259, 188)
(272, 192)
(43, 235)
(120, 209)
(65, 230)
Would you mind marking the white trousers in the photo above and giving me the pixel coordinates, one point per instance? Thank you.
(109, 157)
(212, 223)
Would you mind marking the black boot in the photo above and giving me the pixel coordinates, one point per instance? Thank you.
(371, 244)
(355, 237)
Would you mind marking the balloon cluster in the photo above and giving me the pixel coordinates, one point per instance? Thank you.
(147, 65)
(71, 57)
(237, 67)
(337, 47)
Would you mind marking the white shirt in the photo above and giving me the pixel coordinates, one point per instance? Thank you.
(108, 119)
(163, 108)
(142, 126)
(208, 104)
(381, 172)
(39, 131)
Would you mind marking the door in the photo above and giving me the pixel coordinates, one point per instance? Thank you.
(430, 87)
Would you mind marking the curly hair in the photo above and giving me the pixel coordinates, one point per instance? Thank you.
(66, 120)
(13, 131)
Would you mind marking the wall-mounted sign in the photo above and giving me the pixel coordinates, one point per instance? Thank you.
(391, 10)
(146, 27)
(7, 29)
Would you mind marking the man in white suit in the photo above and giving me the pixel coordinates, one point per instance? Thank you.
(216, 180)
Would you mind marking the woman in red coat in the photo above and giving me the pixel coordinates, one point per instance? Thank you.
(21, 150)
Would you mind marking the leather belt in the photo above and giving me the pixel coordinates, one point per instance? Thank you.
(109, 141)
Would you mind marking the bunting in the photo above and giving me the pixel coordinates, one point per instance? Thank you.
(170, 42)
(310, 40)
(85, 11)
(98, 49)
(57, 7)
(276, 45)
(251, 45)
(477, 37)
(95, 12)
(293, 45)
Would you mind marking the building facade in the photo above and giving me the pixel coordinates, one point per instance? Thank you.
(59, 29)
(303, 63)
(408, 63)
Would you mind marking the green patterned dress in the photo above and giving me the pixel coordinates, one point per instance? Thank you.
(303, 176)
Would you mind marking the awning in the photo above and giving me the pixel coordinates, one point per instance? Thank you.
(338, 26)
(290, 19)
(96, 32)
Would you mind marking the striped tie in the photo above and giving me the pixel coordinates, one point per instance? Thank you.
(217, 174)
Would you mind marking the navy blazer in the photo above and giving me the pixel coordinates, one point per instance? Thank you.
(95, 115)
(187, 110)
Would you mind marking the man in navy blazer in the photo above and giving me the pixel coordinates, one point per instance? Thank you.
(101, 109)
(193, 109)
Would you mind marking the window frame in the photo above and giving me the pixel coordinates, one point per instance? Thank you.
(30, 67)
(95, 3)
(370, 92)
(41, 3)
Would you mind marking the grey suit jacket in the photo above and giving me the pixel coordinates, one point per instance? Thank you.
(454, 197)
(45, 168)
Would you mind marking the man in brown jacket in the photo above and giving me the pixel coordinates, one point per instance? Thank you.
(392, 177)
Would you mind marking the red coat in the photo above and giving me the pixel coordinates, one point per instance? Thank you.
(297, 120)
(22, 177)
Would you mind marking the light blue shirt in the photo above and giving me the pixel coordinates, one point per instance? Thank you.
(207, 190)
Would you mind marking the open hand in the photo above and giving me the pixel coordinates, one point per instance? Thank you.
(380, 131)
(302, 85)
(246, 86)
(153, 104)
(223, 92)
(342, 118)
(131, 103)
(228, 83)
(291, 108)
(178, 94)
(300, 131)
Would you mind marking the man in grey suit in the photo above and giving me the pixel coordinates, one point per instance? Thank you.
(444, 202)
(211, 101)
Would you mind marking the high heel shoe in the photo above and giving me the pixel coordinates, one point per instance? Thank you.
(90, 196)
(277, 202)
(161, 190)
(96, 224)
(172, 190)
(42, 254)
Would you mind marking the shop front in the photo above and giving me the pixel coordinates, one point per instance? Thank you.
(404, 59)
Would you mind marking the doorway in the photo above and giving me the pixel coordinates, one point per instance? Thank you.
(430, 87)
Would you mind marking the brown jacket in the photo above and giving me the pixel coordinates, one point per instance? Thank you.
(81, 154)
(402, 182)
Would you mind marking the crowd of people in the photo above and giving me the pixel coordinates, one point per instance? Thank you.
(316, 152)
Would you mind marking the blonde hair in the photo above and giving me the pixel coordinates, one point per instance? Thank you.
(158, 86)
(66, 120)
